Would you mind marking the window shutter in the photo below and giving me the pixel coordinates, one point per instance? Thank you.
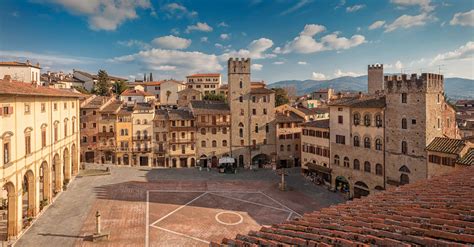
(10, 110)
(1, 111)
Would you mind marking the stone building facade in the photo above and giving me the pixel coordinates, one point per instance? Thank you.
(252, 138)
(123, 136)
(204, 83)
(39, 140)
(182, 138)
(315, 154)
(142, 131)
(288, 122)
(107, 131)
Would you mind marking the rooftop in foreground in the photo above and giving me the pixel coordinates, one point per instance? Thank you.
(434, 212)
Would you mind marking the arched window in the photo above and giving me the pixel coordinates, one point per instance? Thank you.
(367, 142)
(241, 132)
(138, 133)
(404, 123)
(288, 148)
(256, 128)
(203, 144)
(111, 128)
(367, 120)
(214, 131)
(346, 162)
(378, 169)
(366, 166)
(378, 144)
(214, 144)
(224, 143)
(336, 159)
(224, 130)
(145, 134)
(138, 121)
(241, 99)
(356, 141)
(203, 131)
(104, 129)
(145, 121)
(356, 118)
(378, 120)
(282, 148)
(404, 147)
(241, 84)
(356, 164)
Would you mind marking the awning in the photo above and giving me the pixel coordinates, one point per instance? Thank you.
(314, 167)
(225, 160)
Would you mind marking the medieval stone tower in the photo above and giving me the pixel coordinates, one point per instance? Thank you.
(252, 116)
(375, 78)
(414, 107)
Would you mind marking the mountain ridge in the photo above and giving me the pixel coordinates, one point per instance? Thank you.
(455, 87)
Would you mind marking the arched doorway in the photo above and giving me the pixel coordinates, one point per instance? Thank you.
(360, 189)
(29, 195)
(404, 179)
(260, 160)
(45, 183)
(193, 162)
(66, 166)
(214, 161)
(75, 164)
(126, 160)
(203, 161)
(342, 184)
(56, 182)
(12, 220)
(241, 161)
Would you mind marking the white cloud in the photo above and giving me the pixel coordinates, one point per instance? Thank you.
(255, 50)
(256, 66)
(222, 24)
(463, 52)
(225, 36)
(425, 5)
(318, 76)
(278, 62)
(354, 8)
(302, 63)
(105, 14)
(312, 29)
(176, 10)
(298, 5)
(175, 31)
(463, 19)
(377, 24)
(45, 59)
(408, 21)
(200, 26)
(340, 73)
(172, 42)
(177, 63)
(306, 43)
(134, 43)
(333, 42)
(204, 39)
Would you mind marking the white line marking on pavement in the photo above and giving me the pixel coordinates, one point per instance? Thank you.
(281, 204)
(181, 234)
(250, 202)
(179, 208)
(147, 223)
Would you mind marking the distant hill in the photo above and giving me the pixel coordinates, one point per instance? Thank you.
(456, 88)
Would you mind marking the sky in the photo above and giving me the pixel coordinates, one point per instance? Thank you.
(286, 39)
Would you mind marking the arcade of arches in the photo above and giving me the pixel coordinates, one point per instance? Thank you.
(37, 186)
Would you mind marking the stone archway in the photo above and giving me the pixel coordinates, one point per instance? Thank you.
(66, 165)
(56, 175)
(29, 194)
(360, 189)
(75, 164)
(260, 160)
(45, 183)
(13, 219)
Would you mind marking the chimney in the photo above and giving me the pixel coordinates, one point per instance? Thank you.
(28, 62)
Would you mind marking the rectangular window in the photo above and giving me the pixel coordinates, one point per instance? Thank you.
(43, 138)
(55, 133)
(404, 98)
(6, 152)
(340, 119)
(27, 108)
(43, 107)
(28, 144)
(254, 111)
(55, 106)
(340, 139)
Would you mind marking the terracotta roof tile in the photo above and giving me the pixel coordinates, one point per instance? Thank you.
(205, 75)
(27, 89)
(433, 212)
(446, 145)
(134, 92)
(261, 90)
(324, 124)
(19, 64)
(360, 102)
(209, 107)
(291, 117)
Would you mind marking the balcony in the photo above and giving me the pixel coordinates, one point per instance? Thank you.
(182, 128)
(141, 138)
(106, 134)
(142, 150)
(123, 149)
(106, 147)
(183, 141)
(213, 124)
(160, 151)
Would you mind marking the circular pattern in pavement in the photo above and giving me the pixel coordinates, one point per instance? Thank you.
(229, 218)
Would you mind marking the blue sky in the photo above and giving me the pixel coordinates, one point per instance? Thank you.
(286, 39)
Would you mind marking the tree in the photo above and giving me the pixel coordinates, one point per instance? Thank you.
(168, 94)
(281, 97)
(102, 87)
(119, 87)
(144, 77)
(81, 89)
(214, 97)
(150, 77)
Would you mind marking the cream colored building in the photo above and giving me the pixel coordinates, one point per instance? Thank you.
(23, 72)
(204, 83)
(182, 138)
(169, 92)
(213, 131)
(142, 132)
(315, 154)
(132, 96)
(40, 149)
(288, 135)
